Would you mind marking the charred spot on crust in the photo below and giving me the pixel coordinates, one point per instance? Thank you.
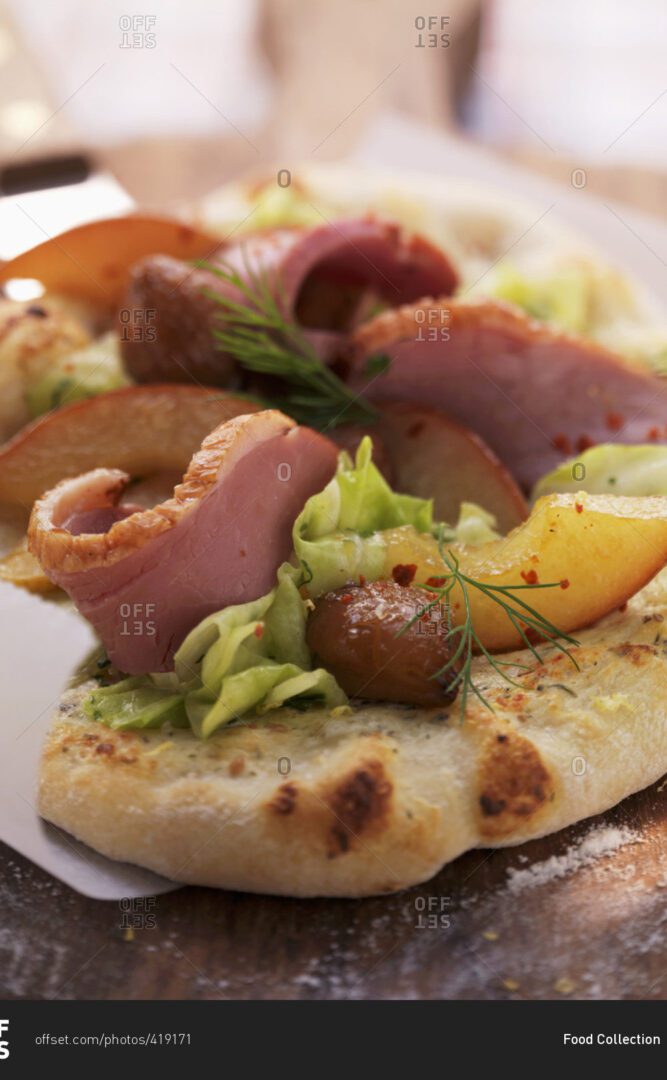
(635, 653)
(237, 765)
(105, 748)
(114, 747)
(360, 803)
(513, 782)
(284, 801)
(491, 807)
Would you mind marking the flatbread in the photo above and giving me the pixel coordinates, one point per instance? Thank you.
(376, 798)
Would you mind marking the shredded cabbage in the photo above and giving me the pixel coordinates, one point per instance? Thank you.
(338, 534)
(249, 656)
(92, 370)
(610, 468)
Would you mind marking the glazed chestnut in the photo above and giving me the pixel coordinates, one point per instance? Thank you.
(352, 632)
(175, 315)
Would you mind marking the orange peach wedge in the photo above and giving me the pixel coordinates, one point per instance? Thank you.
(597, 551)
(92, 261)
(21, 568)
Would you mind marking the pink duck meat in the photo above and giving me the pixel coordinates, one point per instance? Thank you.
(145, 578)
(325, 277)
(534, 394)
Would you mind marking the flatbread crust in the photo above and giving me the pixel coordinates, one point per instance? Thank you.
(377, 798)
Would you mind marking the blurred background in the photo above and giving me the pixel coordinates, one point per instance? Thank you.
(177, 98)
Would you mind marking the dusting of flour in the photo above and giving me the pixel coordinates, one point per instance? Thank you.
(596, 844)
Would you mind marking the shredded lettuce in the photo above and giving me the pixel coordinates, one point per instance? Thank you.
(562, 298)
(280, 207)
(92, 370)
(475, 526)
(135, 703)
(583, 297)
(338, 535)
(249, 656)
(610, 468)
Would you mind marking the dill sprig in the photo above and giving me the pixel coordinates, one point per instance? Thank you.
(521, 615)
(256, 331)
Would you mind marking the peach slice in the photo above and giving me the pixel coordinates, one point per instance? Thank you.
(434, 457)
(599, 549)
(144, 430)
(20, 567)
(92, 262)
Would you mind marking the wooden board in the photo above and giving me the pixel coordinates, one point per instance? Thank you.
(596, 932)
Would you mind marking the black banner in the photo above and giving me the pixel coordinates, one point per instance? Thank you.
(403, 1035)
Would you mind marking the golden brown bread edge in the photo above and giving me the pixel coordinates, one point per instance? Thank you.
(379, 799)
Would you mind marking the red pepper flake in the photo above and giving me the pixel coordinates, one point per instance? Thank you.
(259, 631)
(579, 508)
(530, 577)
(614, 421)
(562, 443)
(584, 442)
(404, 573)
(436, 582)
(564, 584)
(347, 599)
(653, 434)
(362, 580)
